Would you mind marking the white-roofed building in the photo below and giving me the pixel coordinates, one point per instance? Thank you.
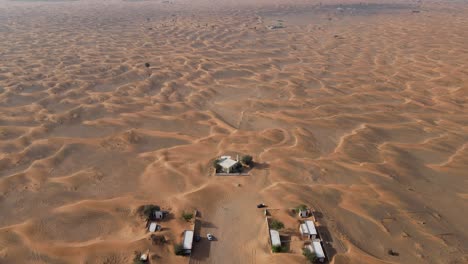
(304, 213)
(308, 230)
(275, 238)
(152, 227)
(227, 163)
(317, 250)
(188, 241)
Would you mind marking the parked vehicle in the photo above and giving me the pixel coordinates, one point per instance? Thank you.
(210, 237)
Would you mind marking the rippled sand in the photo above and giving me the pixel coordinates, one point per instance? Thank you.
(359, 110)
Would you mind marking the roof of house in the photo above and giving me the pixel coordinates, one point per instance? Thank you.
(188, 239)
(227, 162)
(311, 227)
(152, 227)
(318, 250)
(275, 238)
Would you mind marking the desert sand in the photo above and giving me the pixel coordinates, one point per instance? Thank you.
(355, 108)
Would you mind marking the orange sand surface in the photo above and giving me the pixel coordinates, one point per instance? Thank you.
(355, 108)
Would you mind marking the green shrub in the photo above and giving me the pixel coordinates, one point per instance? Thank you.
(247, 160)
(300, 207)
(179, 250)
(158, 239)
(187, 216)
(276, 249)
(277, 225)
(279, 249)
(236, 168)
(310, 256)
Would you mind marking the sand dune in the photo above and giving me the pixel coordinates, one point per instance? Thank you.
(356, 108)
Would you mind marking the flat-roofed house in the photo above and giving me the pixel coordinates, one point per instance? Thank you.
(152, 227)
(275, 238)
(158, 215)
(308, 230)
(304, 213)
(317, 250)
(187, 242)
(228, 164)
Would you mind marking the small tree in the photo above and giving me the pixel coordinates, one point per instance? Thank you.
(179, 250)
(300, 207)
(247, 160)
(276, 249)
(237, 168)
(277, 225)
(187, 216)
(310, 256)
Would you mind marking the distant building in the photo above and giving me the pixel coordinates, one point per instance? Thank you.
(316, 248)
(188, 241)
(158, 215)
(304, 213)
(275, 238)
(152, 227)
(308, 230)
(227, 164)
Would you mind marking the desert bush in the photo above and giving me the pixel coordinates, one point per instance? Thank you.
(187, 216)
(277, 225)
(179, 250)
(276, 249)
(310, 256)
(247, 160)
(158, 240)
(300, 207)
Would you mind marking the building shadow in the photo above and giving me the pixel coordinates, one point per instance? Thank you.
(285, 239)
(327, 241)
(207, 224)
(260, 166)
(169, 216)
(318, 214)
(201, 251)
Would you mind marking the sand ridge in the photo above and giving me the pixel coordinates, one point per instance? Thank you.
(357, 109)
